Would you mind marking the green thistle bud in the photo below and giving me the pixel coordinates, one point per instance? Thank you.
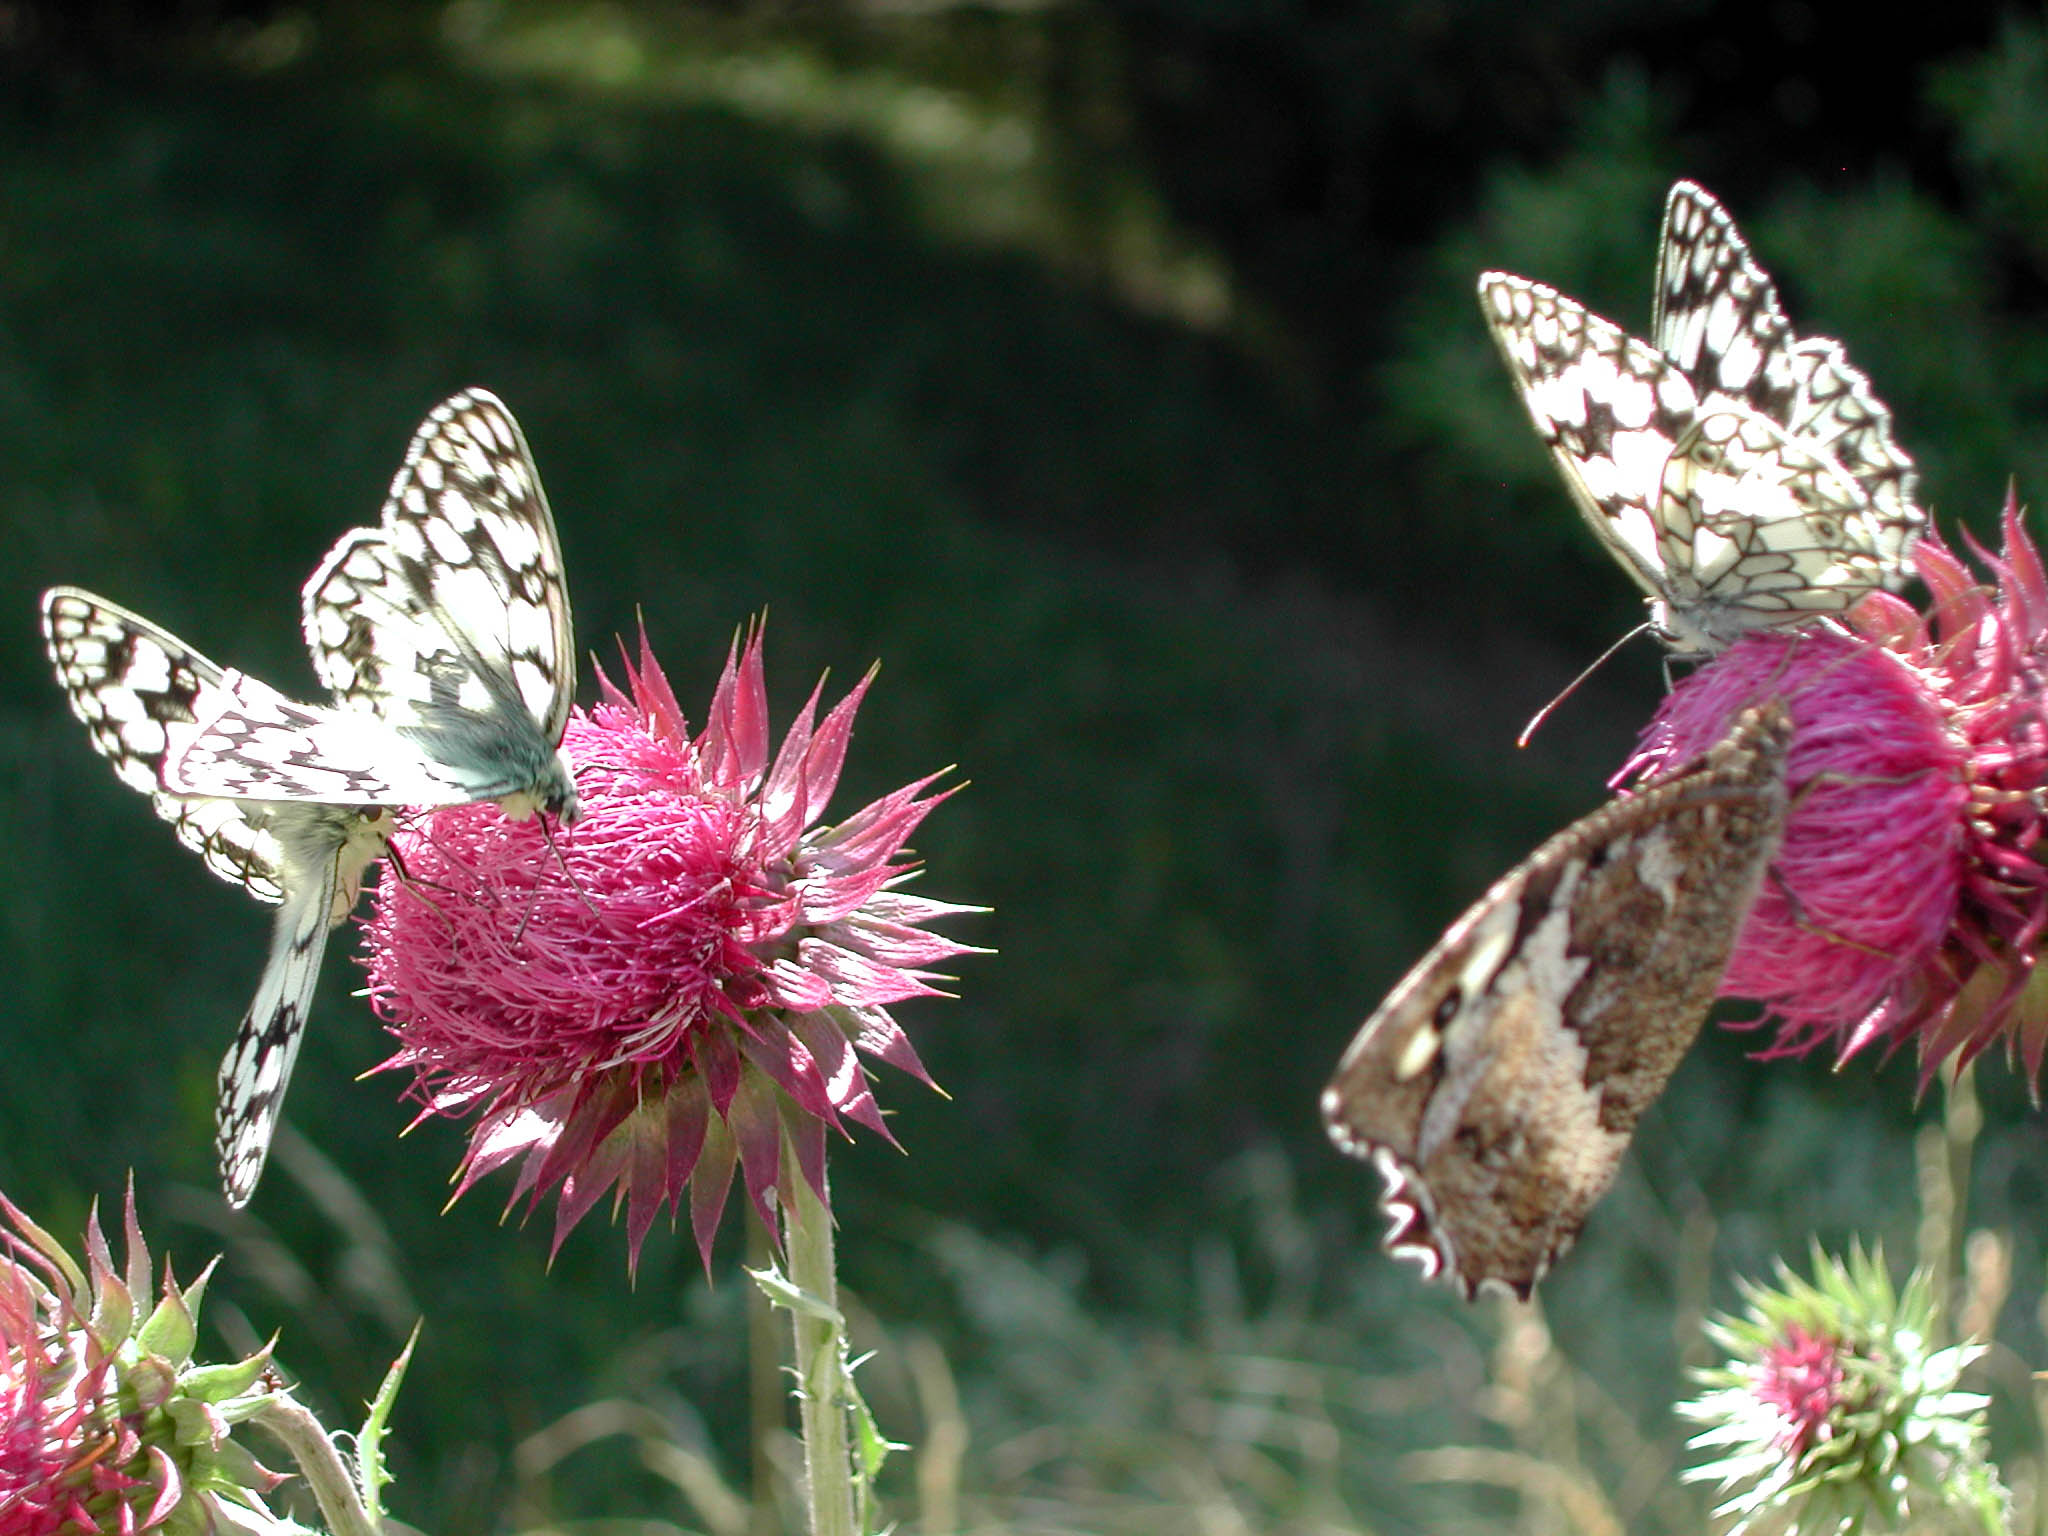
(106, 1424)
(1834, 1412)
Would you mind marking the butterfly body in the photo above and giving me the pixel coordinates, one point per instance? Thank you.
(1498, 1085)
(1745, 478)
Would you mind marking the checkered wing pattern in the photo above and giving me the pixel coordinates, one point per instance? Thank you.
(1699, 469)
(1718, 318)
(143, 695)
(450, 620)
(140, 690)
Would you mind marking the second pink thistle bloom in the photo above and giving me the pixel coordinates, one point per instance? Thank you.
(689, 977)
(1908, 901)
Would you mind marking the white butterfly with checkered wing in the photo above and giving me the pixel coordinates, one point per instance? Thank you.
(1743, 477)
(445, 635)
(142, 693)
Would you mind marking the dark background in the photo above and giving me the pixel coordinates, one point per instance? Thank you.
(1111, 373)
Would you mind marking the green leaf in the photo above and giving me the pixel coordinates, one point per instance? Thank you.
(372, 1476)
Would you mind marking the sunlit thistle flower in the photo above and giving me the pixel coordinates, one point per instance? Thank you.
(106, 1425)
(682, 981)
(1908, 900)
(1835, 1412)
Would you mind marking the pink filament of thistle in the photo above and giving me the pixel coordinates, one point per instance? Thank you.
(522, 961)
(1868, 876)
(1801, 1377)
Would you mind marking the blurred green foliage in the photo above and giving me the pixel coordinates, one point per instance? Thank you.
(1111, 373)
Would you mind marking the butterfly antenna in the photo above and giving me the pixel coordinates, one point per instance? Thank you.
(418, 886)
(547, 831)
(1543, 714)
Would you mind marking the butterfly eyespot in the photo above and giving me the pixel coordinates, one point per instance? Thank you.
(1447, 1008)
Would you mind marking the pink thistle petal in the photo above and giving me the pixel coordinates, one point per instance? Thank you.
(734, 747)
(655, 698)
(890, 944)
(846, 1084)
(825, 755)
(876, 1033)
(859, 981)
(648, 1002)
(787, 1062)
(710, 1184)
(756, 1125)
(163, 1472)
(717, 1058)
(786, 797)
(689, 1112)
(796, 987)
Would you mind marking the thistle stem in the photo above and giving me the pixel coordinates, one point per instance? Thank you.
(320, 1464)
(820, 1357)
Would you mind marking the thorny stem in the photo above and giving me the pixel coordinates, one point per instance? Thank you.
(320, 1464)
(820, 1357)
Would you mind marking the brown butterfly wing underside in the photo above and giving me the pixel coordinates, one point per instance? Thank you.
(1497, 1086)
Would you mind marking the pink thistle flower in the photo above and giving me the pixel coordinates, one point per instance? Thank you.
(685, 980)
(1832, 1410)
(1801, 1376)
(1907, 901)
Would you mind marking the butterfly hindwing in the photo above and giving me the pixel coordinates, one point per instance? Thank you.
(326, 851)
(1499, 1083)
(256, 744)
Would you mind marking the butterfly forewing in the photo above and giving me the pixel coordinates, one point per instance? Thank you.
(1609, 407)
(1718, 318)
(1499, 1083)
(139, 690)
(450, 621)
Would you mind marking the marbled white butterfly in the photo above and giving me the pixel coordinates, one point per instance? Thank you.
(1745, 477)
(444, 635)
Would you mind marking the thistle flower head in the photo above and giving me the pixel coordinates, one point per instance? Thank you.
(1907, 901)
(686, 979)
(106, 1424)
(1835, 1412)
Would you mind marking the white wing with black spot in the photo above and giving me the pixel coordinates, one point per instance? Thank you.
(1718, 317)
(140, 690)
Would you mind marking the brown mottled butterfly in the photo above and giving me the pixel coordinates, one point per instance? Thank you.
(1497, 1086)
